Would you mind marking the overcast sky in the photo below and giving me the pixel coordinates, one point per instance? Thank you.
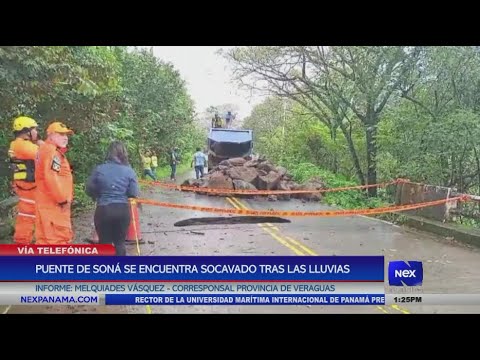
(207, 75)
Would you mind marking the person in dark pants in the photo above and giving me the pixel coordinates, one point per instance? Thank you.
(174, 160)
(200, 160)
(111, 184)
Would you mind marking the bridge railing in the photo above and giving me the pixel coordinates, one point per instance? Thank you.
(411, 192)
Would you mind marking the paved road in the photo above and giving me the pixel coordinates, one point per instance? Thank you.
(449, 267)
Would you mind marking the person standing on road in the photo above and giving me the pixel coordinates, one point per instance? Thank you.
(154, 164)
(111, 184)
(22, 153)
(54, 195)
(199, 159)
(147, 166)
(174, 160)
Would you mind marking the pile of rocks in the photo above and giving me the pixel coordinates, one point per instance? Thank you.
(255, 174)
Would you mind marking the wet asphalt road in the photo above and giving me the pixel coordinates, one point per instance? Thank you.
(449, 267)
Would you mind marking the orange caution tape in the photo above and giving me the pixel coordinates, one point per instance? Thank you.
(322, 213)
(261, 192)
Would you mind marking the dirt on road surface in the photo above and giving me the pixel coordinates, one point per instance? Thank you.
(449, 267)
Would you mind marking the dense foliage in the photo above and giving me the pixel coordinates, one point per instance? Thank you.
(368, 114)
(103, 93)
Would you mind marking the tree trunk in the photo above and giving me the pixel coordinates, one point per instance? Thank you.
(335, 164)
(446, 172)
(477, 160)
(335, 158)
(353, 153)
(371, 136)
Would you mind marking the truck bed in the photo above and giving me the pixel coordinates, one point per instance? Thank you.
(228, 143)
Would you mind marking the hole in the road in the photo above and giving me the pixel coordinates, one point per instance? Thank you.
(231, 220)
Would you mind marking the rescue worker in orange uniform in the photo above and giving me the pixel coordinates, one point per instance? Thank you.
(54, 188)
(22, 153)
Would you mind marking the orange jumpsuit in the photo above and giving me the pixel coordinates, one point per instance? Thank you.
(22, 155)
(54, 187)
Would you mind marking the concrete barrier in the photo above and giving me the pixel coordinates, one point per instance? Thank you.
(408, 193)
(434, 219)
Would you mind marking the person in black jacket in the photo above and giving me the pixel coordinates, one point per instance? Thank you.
(111, 184)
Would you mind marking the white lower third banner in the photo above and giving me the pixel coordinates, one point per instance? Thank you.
(218, 293)
(192, 293)
(195, 287)
(73, 298)
(49, 299)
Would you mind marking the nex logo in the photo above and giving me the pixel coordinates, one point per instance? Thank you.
(403, 273)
